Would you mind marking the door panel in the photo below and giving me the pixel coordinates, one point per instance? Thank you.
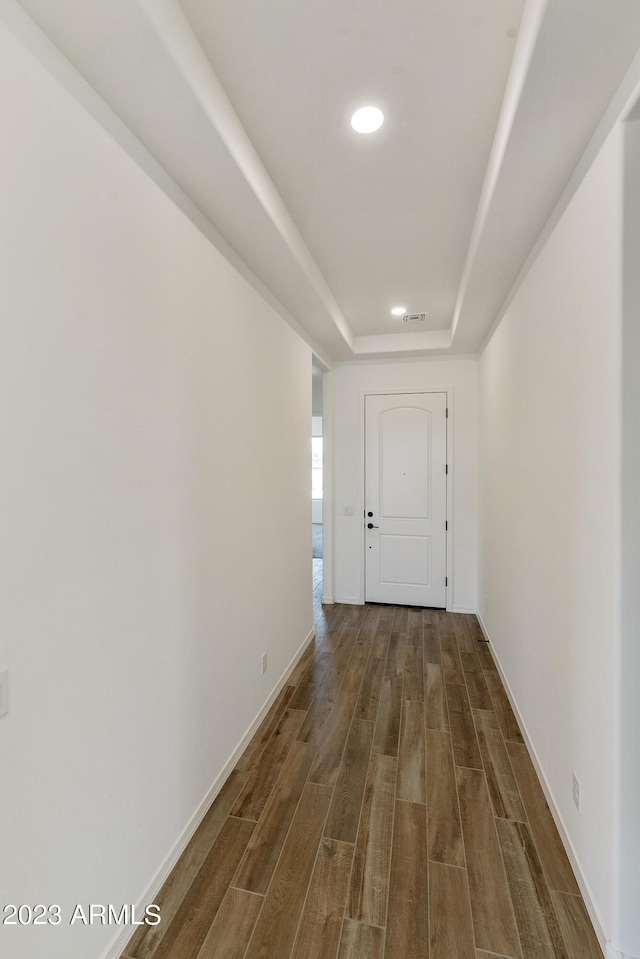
(404, 459)
(405, 560)
(406, 487)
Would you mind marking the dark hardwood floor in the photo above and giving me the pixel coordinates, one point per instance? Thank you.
(386, 808)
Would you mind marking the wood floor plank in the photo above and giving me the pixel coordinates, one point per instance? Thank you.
(335, 615)
(255, 794)
(537, 922)
(386, 614)
(503, 789)
(305, 662)
(334, 640)
(188, 930)
(414, 674)
(485, 657)
(360, 941)
(277, 924)
(444, 832)
(229, 935)
(382, 638)
(555, 862)
(411, 755)
(451, 932)
(321, 672)
(326, 765)
(436, 715)
(466, 751)
(492, 911)
(414, 628)
(369, 626)
(476, 629)
(346, 805)
(370, 875)
(476, 684)
(463, 636)
(303, 696)
(387, 729)
(171, 896)
(407, 935)
(369, 699)
(265, 731)
(354, 673)
(451, 661)
(344, 648)
(575, 926)
(396, 656)
(347, 640)
(318, 718)
(444, 624)
(431, 645)
(321, 923)
(502, 707)
(256, 868)
(351, 615)
(401, 620)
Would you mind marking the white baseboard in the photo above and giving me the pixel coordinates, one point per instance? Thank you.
(328, 600)
(596, 920)
(612, 953)
(115, 949)
(349, 600)
(464, 609)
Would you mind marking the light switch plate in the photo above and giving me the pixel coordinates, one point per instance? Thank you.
(4, 691)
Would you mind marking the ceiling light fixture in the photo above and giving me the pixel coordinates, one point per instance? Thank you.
(367, 119)
(399, 310)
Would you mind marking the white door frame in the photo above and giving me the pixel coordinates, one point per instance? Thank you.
(327, 488)
(361, 476)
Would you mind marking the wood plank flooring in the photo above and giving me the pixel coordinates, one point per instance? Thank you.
(386, 808)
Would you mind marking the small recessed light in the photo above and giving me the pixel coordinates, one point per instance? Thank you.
(367, 120)
(399, 310)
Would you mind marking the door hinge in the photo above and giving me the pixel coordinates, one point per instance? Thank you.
(447, 412)
(446, 524)
(446, 581)
(446, 469)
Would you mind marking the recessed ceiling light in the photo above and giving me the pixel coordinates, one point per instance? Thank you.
(399, 310)
(367, 120)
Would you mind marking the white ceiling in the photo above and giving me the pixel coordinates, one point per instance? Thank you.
(489, 106)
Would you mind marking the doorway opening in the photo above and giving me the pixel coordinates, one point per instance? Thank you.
(317, 487)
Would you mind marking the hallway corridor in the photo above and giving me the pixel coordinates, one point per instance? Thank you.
(386, 808)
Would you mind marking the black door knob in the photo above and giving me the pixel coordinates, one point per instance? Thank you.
(369, 513)
(371, 526)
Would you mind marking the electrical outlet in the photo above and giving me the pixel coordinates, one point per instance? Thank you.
(347, 510)
(576, 792)
(4, 691)
(264, 663)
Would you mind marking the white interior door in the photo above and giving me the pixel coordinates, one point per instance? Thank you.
(406, 498)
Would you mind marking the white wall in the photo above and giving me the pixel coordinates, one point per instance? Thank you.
(627, 890)
(150, 401)
(349, 385)
(550, 420)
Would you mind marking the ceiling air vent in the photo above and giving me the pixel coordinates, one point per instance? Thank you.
(413, 319)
